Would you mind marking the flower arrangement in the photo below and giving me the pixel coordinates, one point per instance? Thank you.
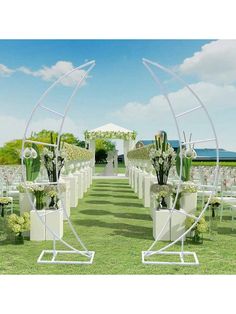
(53, 160)
(39, 192)
(31, 159)
(52, 192)
(25, 186)
(200, 227)
(162, 157)
(141, 153)
(187, 154)
(75, 153)
(188, 187)
(214, 204)
(19, 224)
(110, 135)
(215, 201)
(4, 201)
(161, 192)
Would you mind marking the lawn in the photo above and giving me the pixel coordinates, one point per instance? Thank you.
(112, 221)
(99, 168)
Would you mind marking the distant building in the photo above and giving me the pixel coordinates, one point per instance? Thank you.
(210, 154)
(203, 154)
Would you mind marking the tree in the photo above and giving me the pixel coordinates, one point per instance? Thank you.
(10, 152)
(102, 147)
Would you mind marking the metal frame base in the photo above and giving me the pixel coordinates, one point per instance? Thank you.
(55, 253)
(180, 254)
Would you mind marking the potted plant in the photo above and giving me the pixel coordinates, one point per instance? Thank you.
(213, 216)
(19, 224)
(50, 158)
(52, 191)
(187, 198)
(39, 192)
(196, 233)
(162, 158)
(3, 202)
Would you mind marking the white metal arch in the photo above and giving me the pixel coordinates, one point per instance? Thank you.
(163, 251)
(89, 255)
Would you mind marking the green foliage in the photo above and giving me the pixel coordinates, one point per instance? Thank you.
(102, 147)
(10, 153)
(100, 156)
(186, 166)
(33, 165)
(105, 145)
(140, 153)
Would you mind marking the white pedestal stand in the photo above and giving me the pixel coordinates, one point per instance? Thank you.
(173, 230)
(65, 198)
(53, 219)
(24, 202)
(140, 184)
(84, 180)
(73, 181)
(132, 177)
(188, 202)
(148, 181)
(136, 174)
(80, 185)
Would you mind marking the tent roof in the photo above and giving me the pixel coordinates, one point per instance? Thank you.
(110, 127)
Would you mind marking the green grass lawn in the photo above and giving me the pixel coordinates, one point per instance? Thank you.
(112, 221)
(99, 168)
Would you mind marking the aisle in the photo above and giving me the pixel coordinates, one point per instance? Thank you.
(114, 223)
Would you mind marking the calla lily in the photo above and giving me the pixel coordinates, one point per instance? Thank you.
(33, 153)
(27, 153)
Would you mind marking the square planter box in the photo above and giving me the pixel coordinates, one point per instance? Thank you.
(188, 202)
(80, 187)
(174, 228)
(53, 219)
(73, 181)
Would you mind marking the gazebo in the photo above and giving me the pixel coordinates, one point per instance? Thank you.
(111, 131)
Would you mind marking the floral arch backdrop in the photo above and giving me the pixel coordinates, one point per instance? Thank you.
(113, 132)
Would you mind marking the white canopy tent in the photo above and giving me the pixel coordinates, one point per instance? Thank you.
(111, 131)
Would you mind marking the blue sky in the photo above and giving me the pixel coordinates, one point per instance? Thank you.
(120, 90)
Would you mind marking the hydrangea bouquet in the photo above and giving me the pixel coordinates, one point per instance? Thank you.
(19, 224)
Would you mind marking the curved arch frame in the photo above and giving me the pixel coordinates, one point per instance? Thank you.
(163, 251)
(72, 250)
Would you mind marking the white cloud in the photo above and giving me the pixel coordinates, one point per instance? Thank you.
(212, 95)
(5, 71)
(13, 128)
(155, 114)
(215, 62)
(55, 71)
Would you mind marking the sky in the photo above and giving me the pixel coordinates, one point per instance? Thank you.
(119, 89)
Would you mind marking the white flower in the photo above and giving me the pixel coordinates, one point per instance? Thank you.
(190, 153)
(33, 153)
(27, 153)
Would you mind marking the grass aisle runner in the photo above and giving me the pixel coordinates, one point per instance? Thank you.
(112, 221)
